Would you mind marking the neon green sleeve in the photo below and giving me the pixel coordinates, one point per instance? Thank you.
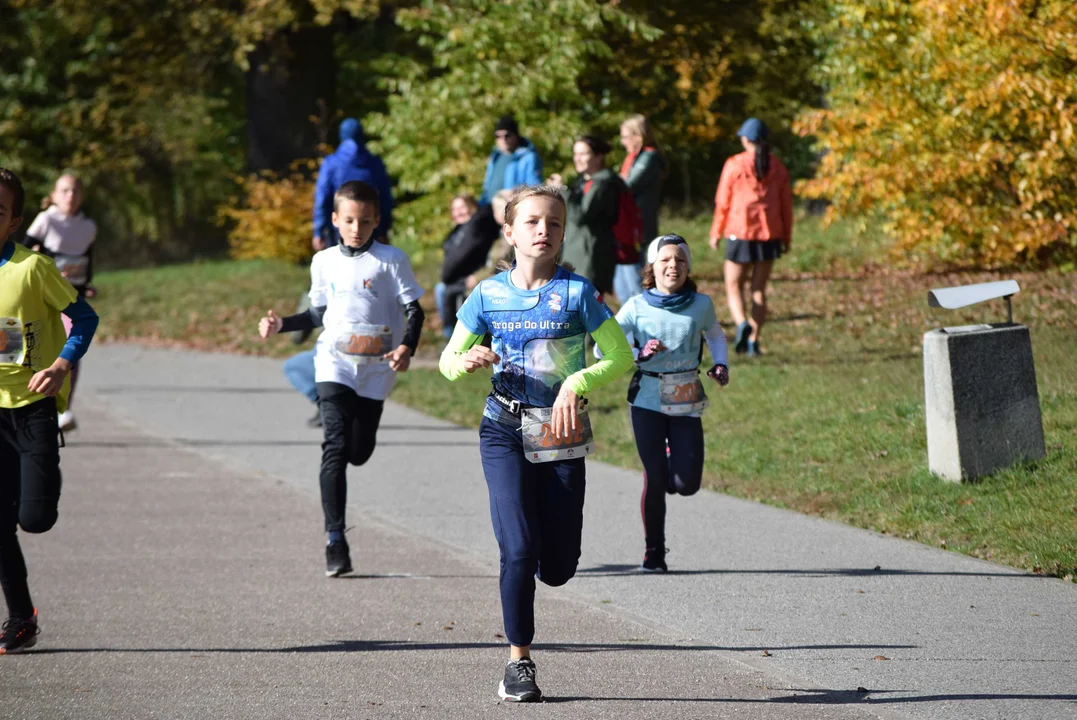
(616, 359)
(452, 357)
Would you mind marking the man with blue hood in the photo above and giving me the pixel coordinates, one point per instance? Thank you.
(350, 161)
(513, 162)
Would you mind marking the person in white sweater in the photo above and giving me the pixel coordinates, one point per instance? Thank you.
(64, 233)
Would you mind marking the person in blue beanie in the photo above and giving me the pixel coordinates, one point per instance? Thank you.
(513, 161)
(351, 161)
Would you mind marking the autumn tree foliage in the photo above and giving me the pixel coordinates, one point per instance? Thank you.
(716, 63)
(953, 120)
(476, 61)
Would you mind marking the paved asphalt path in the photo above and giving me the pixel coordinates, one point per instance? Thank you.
(185, 579)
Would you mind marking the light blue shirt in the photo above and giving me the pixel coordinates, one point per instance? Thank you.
(682, 330)
(538, 334)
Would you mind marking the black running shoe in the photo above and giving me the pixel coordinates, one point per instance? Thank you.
(19, 634)
(653, 561)
(316, 420)
(519, 683)
(337, 559)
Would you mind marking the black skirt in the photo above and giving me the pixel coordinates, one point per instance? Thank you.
(746, 252)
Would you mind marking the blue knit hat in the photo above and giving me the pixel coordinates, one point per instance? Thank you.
(350, 129)
(753, 130)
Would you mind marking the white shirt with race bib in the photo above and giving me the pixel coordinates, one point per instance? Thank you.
(368, 289)
(63, 234)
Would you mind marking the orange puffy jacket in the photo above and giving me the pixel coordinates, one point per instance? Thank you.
(748, 209)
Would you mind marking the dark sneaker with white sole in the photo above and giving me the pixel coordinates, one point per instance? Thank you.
(19, 634)
(654, 561)
(337, 558)
(519, 684)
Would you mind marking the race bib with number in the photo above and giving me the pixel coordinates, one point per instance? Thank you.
(12, 349)
(363, 344)
(681, 393)
(73, 267)
(541, 445)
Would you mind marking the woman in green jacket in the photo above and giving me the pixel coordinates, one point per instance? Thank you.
(643, 171)
(592, 200)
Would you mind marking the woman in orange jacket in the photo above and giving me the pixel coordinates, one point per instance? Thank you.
(753, 210)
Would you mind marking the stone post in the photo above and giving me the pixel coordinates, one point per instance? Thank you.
(981, 402)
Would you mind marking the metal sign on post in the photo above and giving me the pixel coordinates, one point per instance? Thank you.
(965, 295)
(981, 402)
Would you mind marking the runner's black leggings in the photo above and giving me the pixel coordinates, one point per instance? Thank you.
(29, 491)
(681, 472)
(351, 431)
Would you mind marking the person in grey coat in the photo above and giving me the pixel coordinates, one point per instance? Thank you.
(593, 204)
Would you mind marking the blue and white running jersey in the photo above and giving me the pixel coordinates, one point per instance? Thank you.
(538, 334)
(681, 330)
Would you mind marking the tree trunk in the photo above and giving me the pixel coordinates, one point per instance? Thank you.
(292, 78)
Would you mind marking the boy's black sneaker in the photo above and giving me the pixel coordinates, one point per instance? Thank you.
(519, 683)
(19, 634)
(653, 561)
(337, 559)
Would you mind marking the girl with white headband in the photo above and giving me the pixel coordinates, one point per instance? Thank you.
(667, 325)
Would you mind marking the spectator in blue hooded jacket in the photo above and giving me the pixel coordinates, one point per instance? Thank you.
(350, 161)
(513, 162)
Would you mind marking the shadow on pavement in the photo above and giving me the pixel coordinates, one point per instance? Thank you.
(827, 697)
(347, 646)
(313, 442)
(613, 570)
(179, 389)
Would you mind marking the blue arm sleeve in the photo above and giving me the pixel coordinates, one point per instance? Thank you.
(83, 326)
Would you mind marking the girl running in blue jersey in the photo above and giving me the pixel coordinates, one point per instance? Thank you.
(534, 432)
(668, 322)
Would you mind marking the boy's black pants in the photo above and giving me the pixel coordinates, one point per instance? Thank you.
(351, 431)
(29, 491)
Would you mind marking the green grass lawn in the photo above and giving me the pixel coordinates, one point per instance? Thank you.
(830, 422)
